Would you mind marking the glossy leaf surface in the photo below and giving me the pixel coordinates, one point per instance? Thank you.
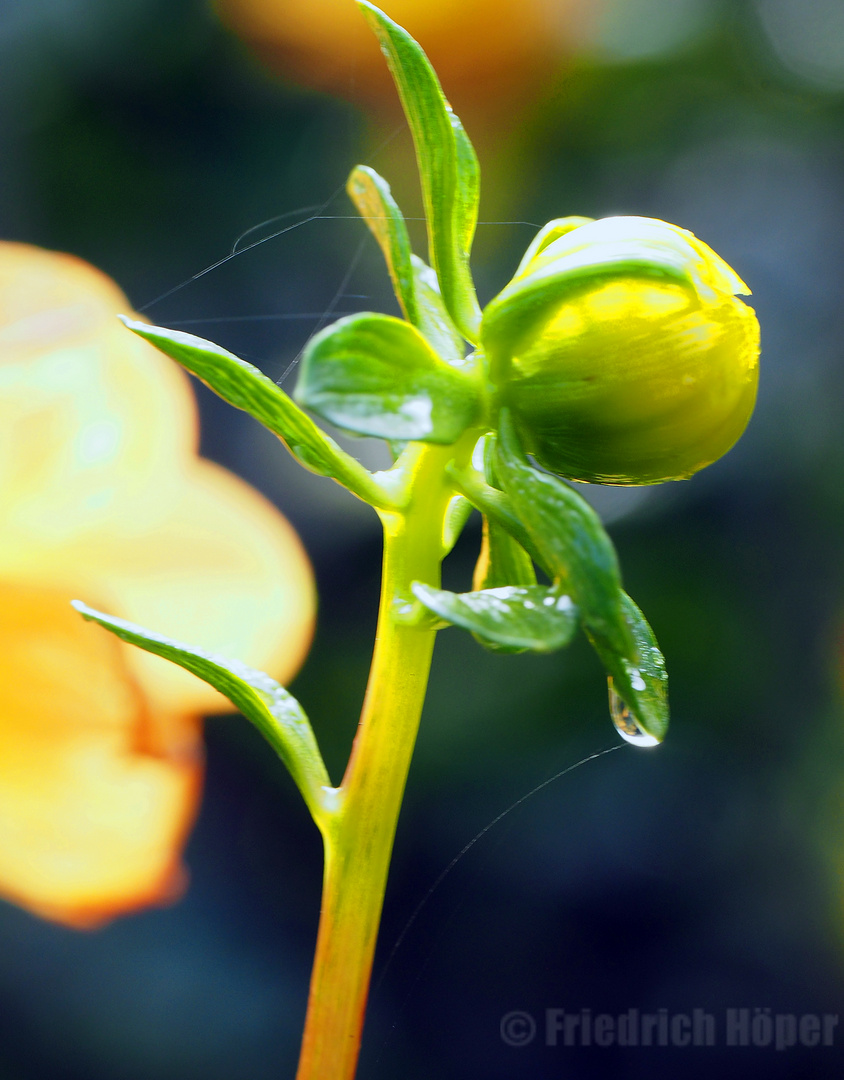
(639, 676)
(533, 617)
(247, 388)
(414, 282)
(376, 375)
(568, 536)
(274, 712)
(374, 202)
(448, 167)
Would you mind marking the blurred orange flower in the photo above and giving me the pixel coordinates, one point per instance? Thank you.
(486, 52)
(103, 497)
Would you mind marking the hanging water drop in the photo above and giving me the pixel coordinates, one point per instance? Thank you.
(625, 722)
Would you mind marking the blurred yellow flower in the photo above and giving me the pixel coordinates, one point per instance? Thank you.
(103, 497)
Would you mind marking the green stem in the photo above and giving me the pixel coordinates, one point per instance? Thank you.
(359, 832)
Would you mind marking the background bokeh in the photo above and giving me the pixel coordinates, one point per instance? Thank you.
(146, 137)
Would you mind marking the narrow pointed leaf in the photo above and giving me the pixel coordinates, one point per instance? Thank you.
(245, 387)
(568, 535)
(639, 676)
(274, 712)
(376, 375)
(535, 618)
(374, 201)
(448, 167)
(414, 282)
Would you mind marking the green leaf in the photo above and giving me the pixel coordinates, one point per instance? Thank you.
(374, 202)
(534, 617)
(376, 375)
(245, 387)
(568, 536)
(274, 712)
(639, 676)
(415, 283)
(448, 167)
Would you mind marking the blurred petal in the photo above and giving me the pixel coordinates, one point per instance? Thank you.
(104, 498)
(223, 571)
(94, 803)
(93, 421)
(481, 49)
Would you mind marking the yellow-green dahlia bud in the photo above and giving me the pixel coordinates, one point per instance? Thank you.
(622, 351)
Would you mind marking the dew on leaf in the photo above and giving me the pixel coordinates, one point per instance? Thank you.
(625, 722)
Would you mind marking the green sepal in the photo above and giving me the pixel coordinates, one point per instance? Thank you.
(493, 504)
(414, 282)
(247, 388)
(520, 618)
(376, 375)
(448, 167)
(274, 712)
(567, 535)
(502, 560)
(456, 516)
(551, 281)
(638, 676)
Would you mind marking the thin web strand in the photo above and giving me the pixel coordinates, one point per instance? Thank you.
(478, 836)
(236, 250)
(330, 310)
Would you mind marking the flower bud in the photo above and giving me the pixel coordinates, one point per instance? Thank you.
(622, 351)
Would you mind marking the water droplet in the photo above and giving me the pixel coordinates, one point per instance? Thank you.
(625, 722)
